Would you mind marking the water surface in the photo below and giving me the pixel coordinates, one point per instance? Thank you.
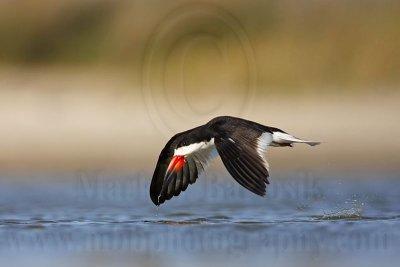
(106, 219)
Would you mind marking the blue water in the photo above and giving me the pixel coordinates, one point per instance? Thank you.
(104, 219)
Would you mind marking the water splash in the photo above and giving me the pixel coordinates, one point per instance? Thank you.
(352, 213)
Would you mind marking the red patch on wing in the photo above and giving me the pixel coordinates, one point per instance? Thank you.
(176, 163)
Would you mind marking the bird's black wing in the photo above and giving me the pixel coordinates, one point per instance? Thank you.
(243, 161)
(195, 164)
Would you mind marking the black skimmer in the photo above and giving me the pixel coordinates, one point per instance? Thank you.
(240, 143)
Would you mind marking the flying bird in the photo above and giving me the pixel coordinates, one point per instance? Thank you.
(240, 143)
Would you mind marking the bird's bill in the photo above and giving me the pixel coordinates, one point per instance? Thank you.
(176, 163)
(174, 166)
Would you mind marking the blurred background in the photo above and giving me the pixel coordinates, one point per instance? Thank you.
(91, 91)
(99, 83)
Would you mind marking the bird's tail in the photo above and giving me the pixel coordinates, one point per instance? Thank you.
(284, 139)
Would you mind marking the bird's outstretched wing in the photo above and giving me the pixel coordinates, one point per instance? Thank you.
(243, 158)
(195, 163)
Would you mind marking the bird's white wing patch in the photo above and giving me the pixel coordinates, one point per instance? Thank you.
(263, 141)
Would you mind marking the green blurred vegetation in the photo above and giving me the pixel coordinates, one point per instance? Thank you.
(296, 43)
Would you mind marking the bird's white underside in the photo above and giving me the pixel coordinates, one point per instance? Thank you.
(195, 147)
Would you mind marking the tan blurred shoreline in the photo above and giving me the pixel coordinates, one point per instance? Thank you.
(104, 84)
(51, 122)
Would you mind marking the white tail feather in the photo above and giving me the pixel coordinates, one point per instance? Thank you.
(283, 138)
